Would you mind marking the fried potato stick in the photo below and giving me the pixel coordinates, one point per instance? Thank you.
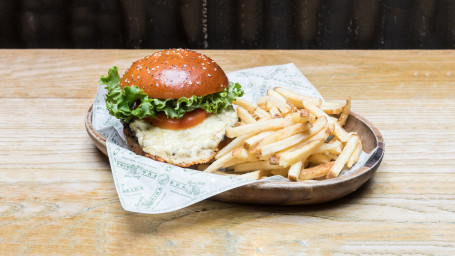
(344, 156)
(282, 172)
(244, 115)
(297, 98)
(300, 154)
(280, 145)
(341, 134)
(294, 171)
(220, 162)
(345, 112)
(331, 108)
(315, 133)
(256, 175)
(355, 155)
(254, 140)
(315, 172)
(333, 148)
(258, 165)
(282, 134)
(245, 104)
(257, 127)
(319, 159)
(237, 142)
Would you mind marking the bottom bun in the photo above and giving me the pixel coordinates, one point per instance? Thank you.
(185, 147)
(136, 148)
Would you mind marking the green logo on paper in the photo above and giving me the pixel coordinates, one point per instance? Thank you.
(192, 188)
(116, 151)
(147, 203)
(163, 179)
(132, 189)
(168, 168)
(136, 171)
(123, 165)
(149, 174)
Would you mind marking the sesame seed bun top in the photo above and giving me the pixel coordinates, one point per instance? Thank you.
(175, 73)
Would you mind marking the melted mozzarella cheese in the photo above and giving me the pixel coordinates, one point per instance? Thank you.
(195, 144)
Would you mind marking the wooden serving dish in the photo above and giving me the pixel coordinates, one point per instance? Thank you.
(296, 193)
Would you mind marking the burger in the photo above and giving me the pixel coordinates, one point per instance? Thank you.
(175, 106)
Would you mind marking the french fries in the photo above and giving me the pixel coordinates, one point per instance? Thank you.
(345, 112)
(237, 142)
(288, 134)
(245, 104)
(297, 98)
(277, 100)
(315, 172)
(302, 116)
(294, 171)
(282, 172)
(288, 158)
(245, 116)
(257, 127)
(256, 175)
(344, 156)
(259, 165)
(220, 162)
(275, 112)
(355, 155)
(331, 108)
(319, 159)
(281, 134)
(331, 148)
(280, 145)
(272, 93)
(253, 141)
(341, 134)
(262, 114)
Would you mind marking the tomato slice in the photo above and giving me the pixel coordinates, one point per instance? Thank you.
(189, 120)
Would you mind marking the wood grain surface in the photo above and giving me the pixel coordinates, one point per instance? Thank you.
(57, 194)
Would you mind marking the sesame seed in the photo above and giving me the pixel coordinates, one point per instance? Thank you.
(209, 75)
(197, 82)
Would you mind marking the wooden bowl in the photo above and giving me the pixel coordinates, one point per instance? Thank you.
(296, 193)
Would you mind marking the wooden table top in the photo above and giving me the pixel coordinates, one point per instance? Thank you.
(57, 194)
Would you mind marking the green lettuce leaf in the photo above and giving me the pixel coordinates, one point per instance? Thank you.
(120, 102)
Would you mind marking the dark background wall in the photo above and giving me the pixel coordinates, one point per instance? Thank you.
(228, 24)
